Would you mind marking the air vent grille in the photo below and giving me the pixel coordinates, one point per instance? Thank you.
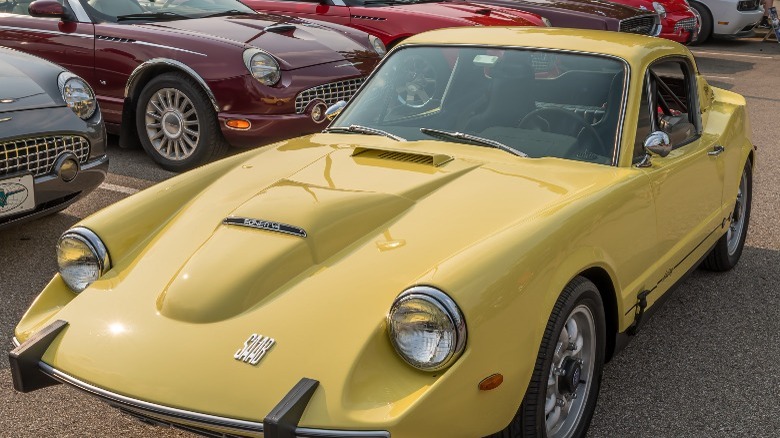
(426, 159)
(114, 39)
(366, 17)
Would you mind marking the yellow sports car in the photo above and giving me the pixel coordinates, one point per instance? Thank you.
(484, 225)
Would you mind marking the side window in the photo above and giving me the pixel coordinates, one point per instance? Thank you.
(19, 7)
(669, 103)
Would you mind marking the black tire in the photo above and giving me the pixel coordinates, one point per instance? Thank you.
(705, 31)
(530, 418)
(206, 144)
(723, 257)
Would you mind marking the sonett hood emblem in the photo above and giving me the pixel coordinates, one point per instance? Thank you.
(254, 349)
(265, 225)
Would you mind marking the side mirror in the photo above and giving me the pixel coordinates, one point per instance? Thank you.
(47, 8)
(657, 143)
(334, 109)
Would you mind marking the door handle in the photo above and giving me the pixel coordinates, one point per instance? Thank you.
(717, 150)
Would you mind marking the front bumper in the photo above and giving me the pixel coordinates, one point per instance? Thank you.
(730, 22)
(267, 128)
(29, 373)
(52, 192)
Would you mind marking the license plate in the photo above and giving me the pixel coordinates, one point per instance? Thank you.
(17, 195)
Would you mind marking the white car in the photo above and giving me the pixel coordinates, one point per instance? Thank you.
(727, 18)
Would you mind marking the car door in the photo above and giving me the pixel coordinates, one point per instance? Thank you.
(334, 11)
(687, 183)
(69, 43)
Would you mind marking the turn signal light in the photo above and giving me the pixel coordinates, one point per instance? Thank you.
(491, 382)
(238, 124)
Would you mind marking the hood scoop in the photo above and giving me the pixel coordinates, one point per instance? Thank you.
(241, 267)
(280, 28)
(425, 158)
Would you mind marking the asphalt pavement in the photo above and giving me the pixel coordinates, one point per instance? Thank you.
(703, 366)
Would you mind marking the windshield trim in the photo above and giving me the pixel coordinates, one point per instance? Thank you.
(618, 149)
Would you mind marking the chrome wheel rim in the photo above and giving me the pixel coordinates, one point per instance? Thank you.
(734, 233)
(172, 124)
(571, 373)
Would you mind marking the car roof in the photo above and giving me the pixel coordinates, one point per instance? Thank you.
(636, 49)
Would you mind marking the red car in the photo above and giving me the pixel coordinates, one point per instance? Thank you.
(392, 21)
(189, 77)
(679, 22)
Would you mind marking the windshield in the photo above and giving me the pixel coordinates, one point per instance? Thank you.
(154, 10)
(539, 103)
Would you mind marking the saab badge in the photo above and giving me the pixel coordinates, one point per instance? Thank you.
(254, 349)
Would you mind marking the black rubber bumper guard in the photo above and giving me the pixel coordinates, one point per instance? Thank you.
(281, 422)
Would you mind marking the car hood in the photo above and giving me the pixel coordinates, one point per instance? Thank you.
(307, 43)
(459, 11)
(18, 90)
(590, 7)
(377, 220)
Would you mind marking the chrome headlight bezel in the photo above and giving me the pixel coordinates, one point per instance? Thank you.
(77, 94)
(456, 327)
(546, 22)
(96, 251)
(377, 45)
(266, 72)
(660, 9)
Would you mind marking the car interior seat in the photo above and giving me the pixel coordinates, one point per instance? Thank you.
(511, 94)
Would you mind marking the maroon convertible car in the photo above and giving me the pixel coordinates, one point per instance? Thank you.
(188, 77)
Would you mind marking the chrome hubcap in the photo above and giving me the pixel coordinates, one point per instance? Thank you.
(172, 124)
(571, 373)
(734, 233)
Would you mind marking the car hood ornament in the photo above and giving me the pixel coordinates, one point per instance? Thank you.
(262, 224)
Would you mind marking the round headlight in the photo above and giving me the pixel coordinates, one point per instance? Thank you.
(378, 45)
(262, 66)
(82, 258)
(660, 9)
(78, 95)
(426, 328)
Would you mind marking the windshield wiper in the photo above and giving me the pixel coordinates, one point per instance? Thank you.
(227, 13)
(363, 130)
(471, 139)
(152, 16)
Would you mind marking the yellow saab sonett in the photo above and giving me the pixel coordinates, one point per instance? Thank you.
(457, 255)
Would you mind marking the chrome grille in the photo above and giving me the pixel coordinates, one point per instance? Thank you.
(688, 24)
(644, 25)
(330, 93)
(37, 155)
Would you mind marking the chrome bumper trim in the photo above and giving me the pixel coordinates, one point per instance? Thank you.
(15, 342)
(204, 420)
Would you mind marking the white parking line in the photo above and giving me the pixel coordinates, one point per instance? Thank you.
(120, 189)
(739, 55)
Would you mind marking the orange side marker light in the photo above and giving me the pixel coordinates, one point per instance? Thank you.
(491, 382)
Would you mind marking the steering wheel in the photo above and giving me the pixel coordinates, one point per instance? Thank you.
(561, 121)
(416, 83)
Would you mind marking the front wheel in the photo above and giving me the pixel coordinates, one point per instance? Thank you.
(727, 251)
(706, 23)
(176, 123)
(561, 397)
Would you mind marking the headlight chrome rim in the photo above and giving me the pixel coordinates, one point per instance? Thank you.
(377, 45)
(96, 247)
(272, 76)
(83, 107)
(660, 9)
(448, 307)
